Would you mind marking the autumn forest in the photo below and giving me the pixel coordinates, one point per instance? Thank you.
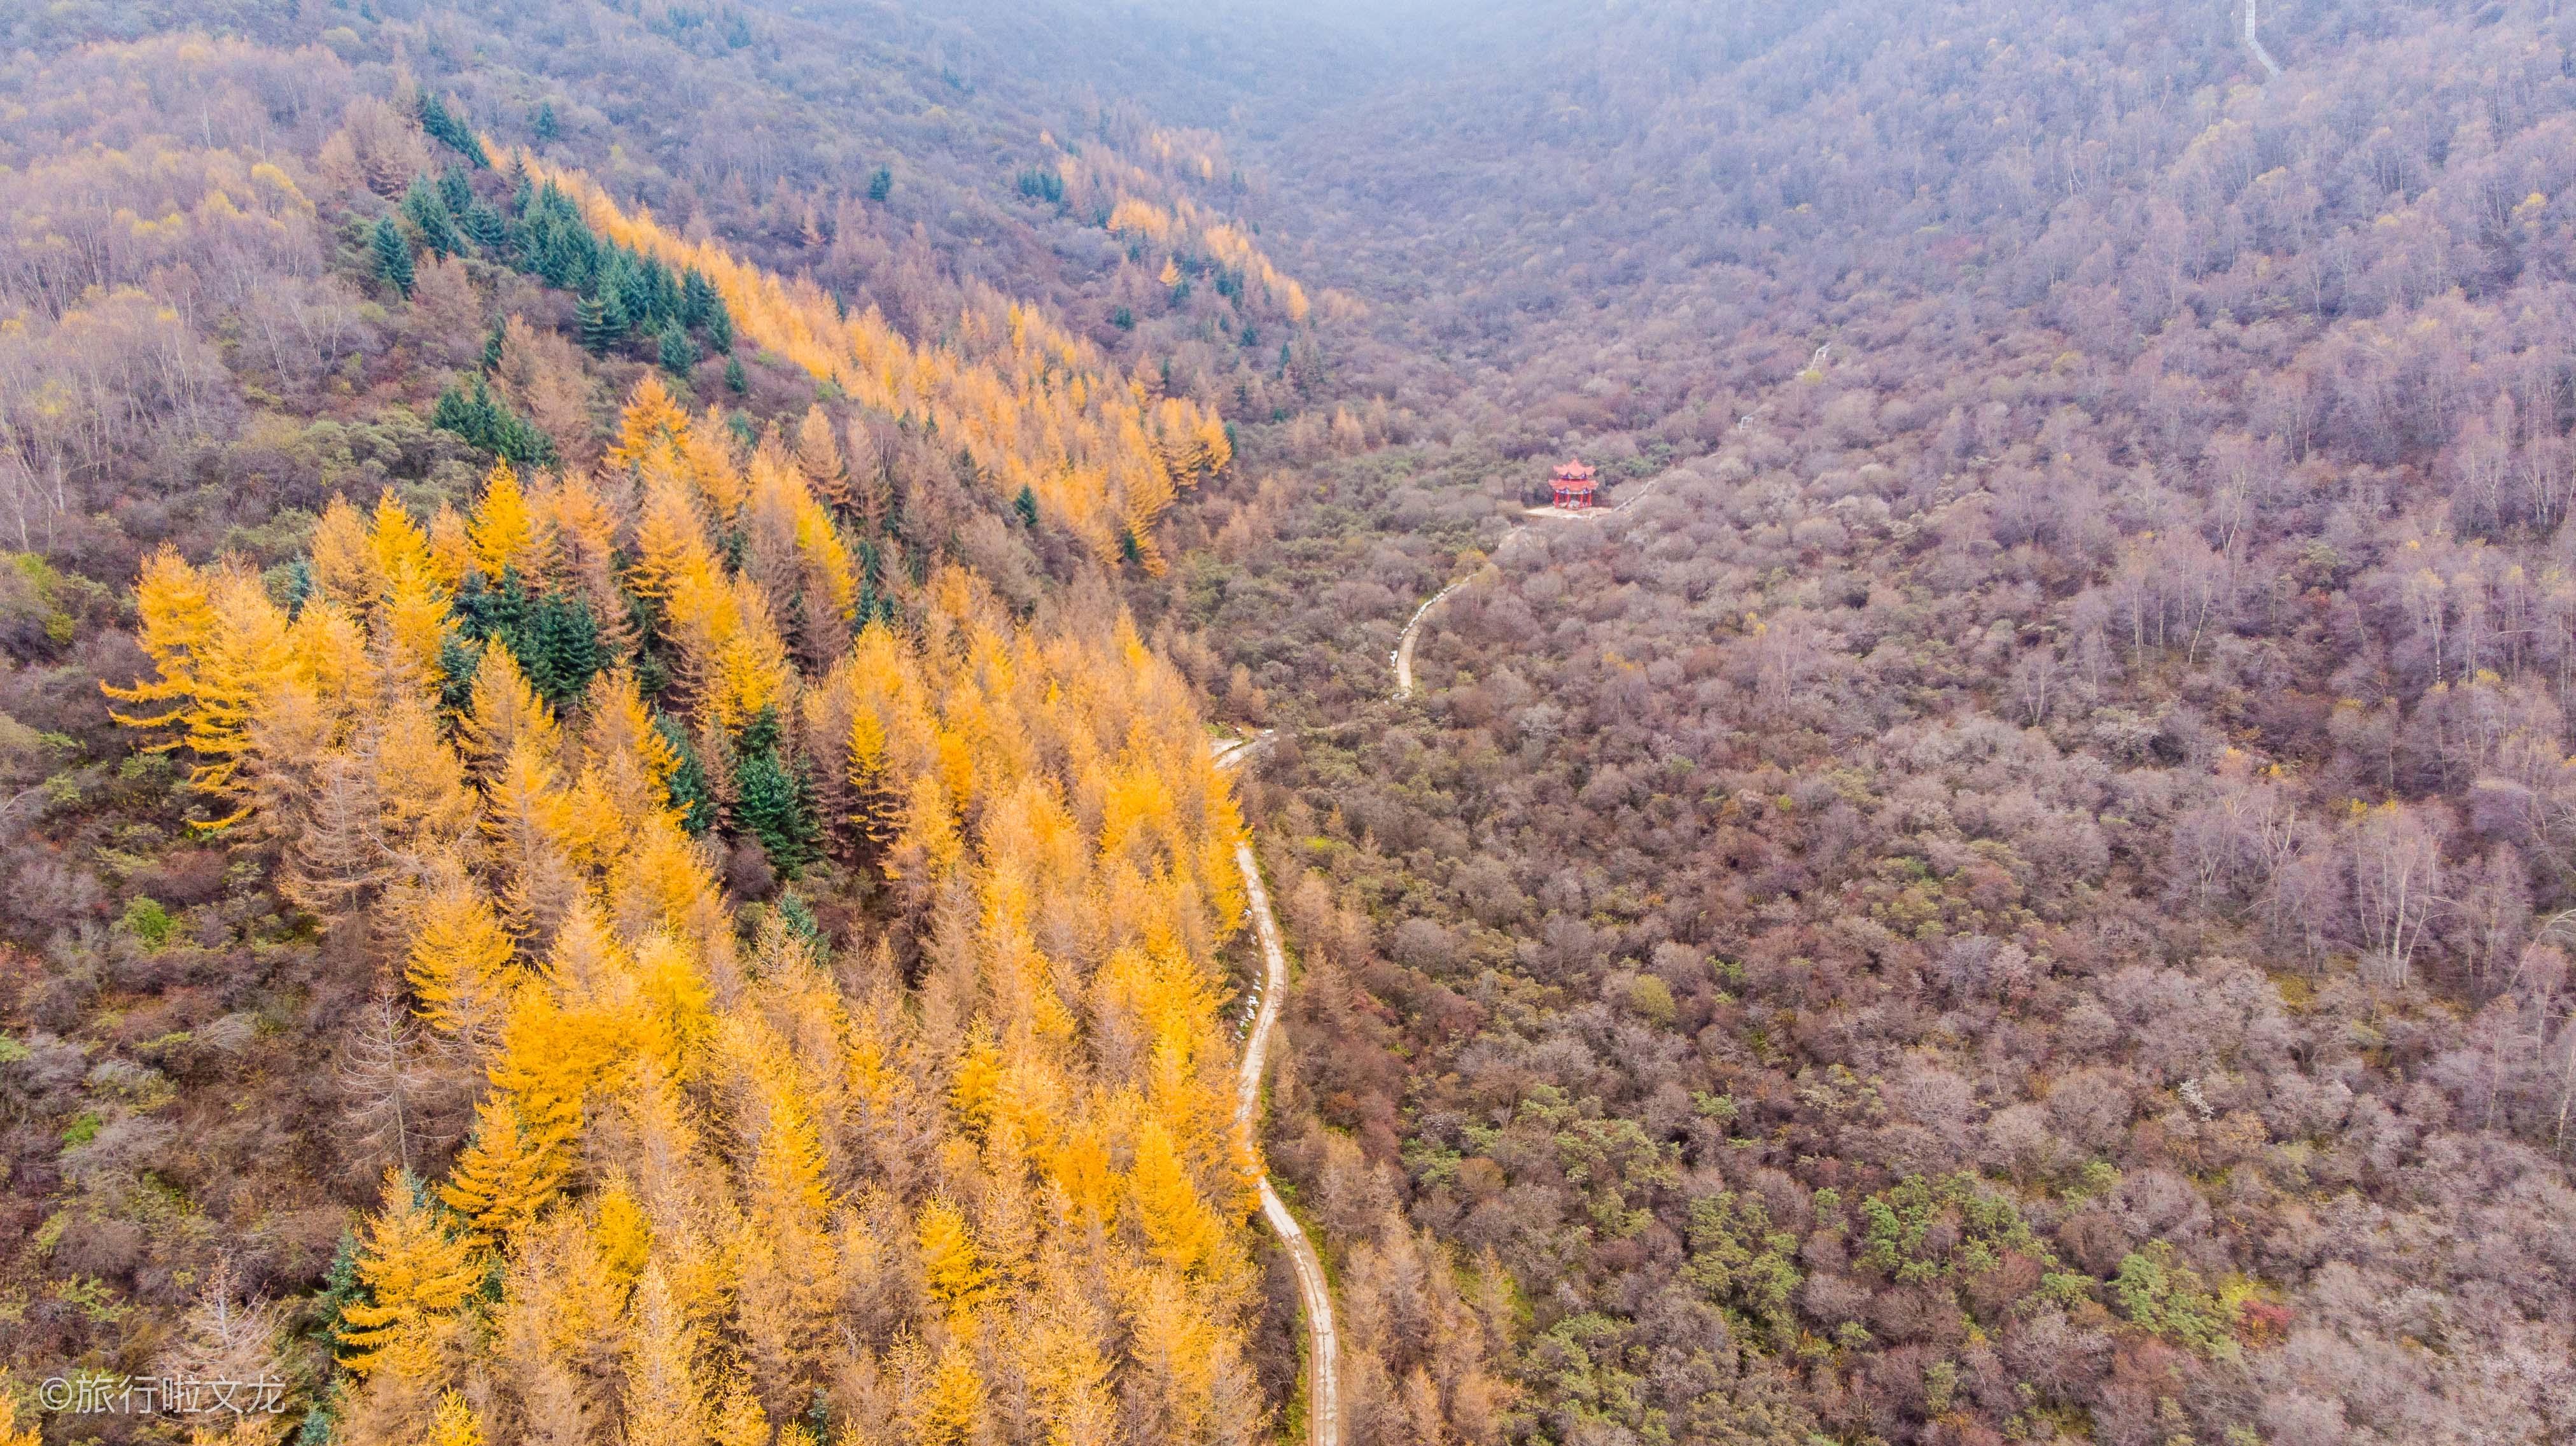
(861, 723)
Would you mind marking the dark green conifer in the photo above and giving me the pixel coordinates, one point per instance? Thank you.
(428, 214)
(485, 612)
(798, 916)
(590, 319)
(661, 291)
(560, 647)
(624, 286)
(455, 190)
(697, 298)
(679, 354)
(487, 422)
(445, 127)
(772, 800)
(298, 584)
(490, 233)
(692, 797)
(393, 255)
(614, 313)
(457, 660)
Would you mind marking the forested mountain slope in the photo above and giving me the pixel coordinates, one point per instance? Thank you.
(637, 777)
(2019, 891)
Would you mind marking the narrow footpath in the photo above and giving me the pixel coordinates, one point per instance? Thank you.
(1402, 657)
(1323, 1344)
(1404, 641)
(2254, 42)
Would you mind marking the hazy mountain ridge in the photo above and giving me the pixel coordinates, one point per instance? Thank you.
(2013, 896)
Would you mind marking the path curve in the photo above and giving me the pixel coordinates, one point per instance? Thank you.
(1323, 1341)
(2254, 43)
(1402, 657)
(1403, 654)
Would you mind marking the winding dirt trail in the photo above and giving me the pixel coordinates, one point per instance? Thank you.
(1403, 654)
(1323, 1342)
(1402, 657)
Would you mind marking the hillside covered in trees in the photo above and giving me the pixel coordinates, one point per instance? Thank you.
(614, 613)
(663, 892)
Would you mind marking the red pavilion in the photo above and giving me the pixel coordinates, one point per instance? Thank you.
(1572, 486)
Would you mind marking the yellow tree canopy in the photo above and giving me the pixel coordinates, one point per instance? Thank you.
(982, 1138)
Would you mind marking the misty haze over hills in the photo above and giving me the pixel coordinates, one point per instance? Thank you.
(701, 740)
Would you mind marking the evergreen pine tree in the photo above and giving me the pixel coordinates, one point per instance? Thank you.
(487, 422)
(455, 190)
(457, 660)
(697, 298)
(492, 346)
(485, 226)
(519, 439)
(486, 612)
(679, 354)
(614, 313)
(546, 127)
(490, 415)
(299, 585)
(340, 1284)
(719, 326)
(662, 295)
(561, 649)
(1026, 504)
(590, 318)
(323, 1421)
(693, 798)
(455, 413)
(626, 289)
(772, 799)
(428, 213)
(444, 126)
(799, 917)
(735, 381)
(393, 255)
(880, 185)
